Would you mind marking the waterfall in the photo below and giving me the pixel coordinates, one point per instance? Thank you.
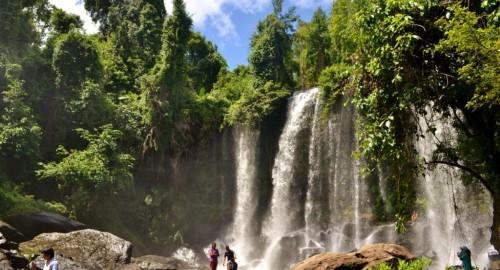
(286, 204)
(443, 229)
(320, 201)
(246, 152)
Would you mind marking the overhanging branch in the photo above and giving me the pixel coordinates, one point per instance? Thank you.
(464, 168)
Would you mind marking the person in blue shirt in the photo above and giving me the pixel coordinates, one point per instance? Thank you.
(465, 256)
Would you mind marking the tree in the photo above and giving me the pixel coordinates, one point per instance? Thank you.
(20, 134)
(311, 46)
(271, 47)
(77, 65)
(100, 11)
(166, 89)
(19, 24)
(89, 177)
(64, 22)
(204, 63)
(470, 46)
(415, 55)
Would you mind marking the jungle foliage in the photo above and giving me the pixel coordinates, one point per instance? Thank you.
(89, 122)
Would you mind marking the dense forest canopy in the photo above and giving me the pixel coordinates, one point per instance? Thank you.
(83, 117)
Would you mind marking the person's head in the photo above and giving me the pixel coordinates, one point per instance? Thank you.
(227, 248)
(465, 249)
(214, 244)
(47, 253)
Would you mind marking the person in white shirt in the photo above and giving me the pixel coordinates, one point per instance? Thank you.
(50, 261)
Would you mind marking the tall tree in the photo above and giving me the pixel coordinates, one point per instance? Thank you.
(20, 22)
(204, 63)
(167, 88)
(311, 45)
(414, 55)
(271, 47)
(77, 66)
(100, 11)
(64, 22)
(20, 134)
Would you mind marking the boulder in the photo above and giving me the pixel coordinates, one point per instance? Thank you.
(13, 259)
(11, 234)
(90, 249)
(4, 261)
(365, 258)
(33, 224)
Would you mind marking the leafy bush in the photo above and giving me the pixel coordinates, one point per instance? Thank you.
(13, 201)
(418, 264)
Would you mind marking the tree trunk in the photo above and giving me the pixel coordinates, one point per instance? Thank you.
(495, 227)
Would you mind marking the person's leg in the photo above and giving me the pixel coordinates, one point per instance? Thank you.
(213, 266)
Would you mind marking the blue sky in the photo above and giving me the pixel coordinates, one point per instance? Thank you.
(226, 23)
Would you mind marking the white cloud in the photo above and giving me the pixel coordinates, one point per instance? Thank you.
(312, 3)
(76, 7)
(217, 14)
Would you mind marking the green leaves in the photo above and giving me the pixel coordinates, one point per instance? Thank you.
(90, 175)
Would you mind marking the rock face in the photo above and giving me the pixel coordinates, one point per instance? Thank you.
(87, 249)
(33, 224)
(366, 257)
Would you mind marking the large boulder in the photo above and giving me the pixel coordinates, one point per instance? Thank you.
(90, 249)
(10, 233)
(33, 224)
(365, 258)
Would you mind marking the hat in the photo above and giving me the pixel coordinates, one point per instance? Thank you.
(464, 248)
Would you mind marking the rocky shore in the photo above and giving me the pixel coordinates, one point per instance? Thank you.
(77, 247)
(80, 248)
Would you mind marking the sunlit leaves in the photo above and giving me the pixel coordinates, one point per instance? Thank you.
(99, 171)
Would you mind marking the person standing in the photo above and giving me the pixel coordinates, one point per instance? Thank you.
(214, 254)
(229, 258)
(465, 256)
(50, 262)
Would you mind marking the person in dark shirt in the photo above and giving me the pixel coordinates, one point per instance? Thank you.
(229, 258)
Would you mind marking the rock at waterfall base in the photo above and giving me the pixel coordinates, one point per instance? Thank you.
(364, 258)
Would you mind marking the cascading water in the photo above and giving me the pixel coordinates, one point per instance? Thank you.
(246, 152)
(450, 219)
(286, 206)
(321, 202)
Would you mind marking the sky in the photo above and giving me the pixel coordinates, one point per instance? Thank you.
(228, 24)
